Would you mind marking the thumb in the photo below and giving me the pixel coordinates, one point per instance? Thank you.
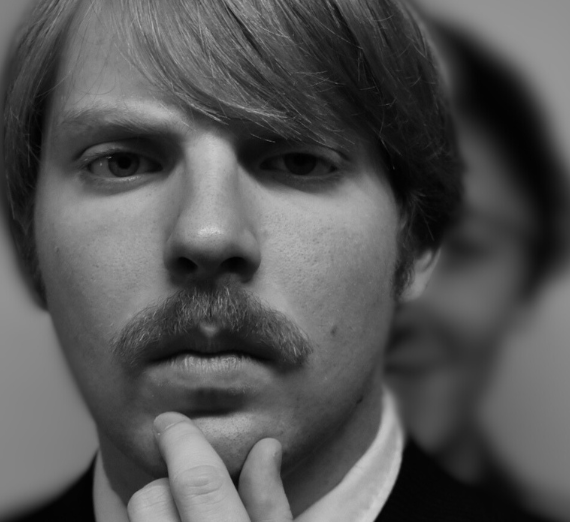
(260, 486)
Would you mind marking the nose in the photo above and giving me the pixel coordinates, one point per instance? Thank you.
(213, 233)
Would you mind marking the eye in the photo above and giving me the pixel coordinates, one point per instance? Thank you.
(298, 164)
(122, 165)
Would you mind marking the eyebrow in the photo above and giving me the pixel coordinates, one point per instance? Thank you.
(155, 119)
(138, 118)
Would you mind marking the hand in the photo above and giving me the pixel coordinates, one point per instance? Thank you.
(199, 487)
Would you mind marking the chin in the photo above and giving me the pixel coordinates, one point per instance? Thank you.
(232, 438)
(135, 453)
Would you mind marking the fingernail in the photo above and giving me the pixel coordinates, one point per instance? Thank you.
(165, 420)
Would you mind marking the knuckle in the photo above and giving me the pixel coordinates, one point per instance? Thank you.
(203, 484)
(154, 497)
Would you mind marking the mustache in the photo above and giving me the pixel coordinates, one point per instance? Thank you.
(231, 309)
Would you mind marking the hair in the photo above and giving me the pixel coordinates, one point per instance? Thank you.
(492, 94)
(306, 70)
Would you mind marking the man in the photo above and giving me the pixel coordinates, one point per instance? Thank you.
(508, 240)
(220, 203)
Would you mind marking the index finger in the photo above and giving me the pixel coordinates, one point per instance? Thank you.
(200, 483)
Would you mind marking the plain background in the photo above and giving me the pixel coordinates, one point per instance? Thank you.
(47, 437)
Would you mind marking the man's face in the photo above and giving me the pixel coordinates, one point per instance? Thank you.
(138, 199)
(445, 343)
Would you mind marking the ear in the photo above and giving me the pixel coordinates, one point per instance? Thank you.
(420, 274)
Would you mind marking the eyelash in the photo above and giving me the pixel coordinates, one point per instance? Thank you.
(90, 159)
(333, 160)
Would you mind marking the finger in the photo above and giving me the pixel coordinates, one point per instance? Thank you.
(153, 503)
(199, 481)
(260, 486)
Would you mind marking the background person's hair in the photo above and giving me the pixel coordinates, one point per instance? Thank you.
(301, 69)
(489, 92)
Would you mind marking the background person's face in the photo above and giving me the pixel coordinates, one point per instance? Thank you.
(445, 343)
(199, 200)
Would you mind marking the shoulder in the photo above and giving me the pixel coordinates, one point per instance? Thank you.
(423, 492)
(75, 503)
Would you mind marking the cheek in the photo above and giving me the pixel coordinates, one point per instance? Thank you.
(94, 261)
(335, 273)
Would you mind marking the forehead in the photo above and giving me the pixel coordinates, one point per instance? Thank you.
(132, 51)
(94, 71)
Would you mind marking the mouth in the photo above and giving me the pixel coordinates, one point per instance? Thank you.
(209, 344)
(220, 363)
(207, 371)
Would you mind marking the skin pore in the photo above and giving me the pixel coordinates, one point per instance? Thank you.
(138, 197)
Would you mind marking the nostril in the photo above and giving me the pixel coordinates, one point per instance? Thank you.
(235, 265)
(185, 265)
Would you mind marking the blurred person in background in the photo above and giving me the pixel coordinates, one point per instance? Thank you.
(507, 241)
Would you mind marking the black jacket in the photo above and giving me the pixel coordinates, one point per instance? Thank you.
(423, 493)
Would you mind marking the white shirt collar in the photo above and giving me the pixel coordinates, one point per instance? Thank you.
(359, 497)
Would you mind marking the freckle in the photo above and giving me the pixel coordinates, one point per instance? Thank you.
(334, 330)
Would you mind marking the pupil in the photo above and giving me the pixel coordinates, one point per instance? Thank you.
(123, 165)
(124, 162)
(300, 164)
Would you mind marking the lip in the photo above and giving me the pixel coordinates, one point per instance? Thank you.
(224, 370)
(220, 362)
(206, 371)
(206, 383)
(210, 346)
